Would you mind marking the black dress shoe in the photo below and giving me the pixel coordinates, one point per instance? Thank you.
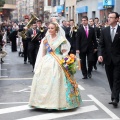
(2, 61)
(85, 77)
(25, 62)
(95, 67)
(110, 102)
(89, 75)
(115, 103)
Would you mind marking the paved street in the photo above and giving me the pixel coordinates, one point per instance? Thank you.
(15, 83)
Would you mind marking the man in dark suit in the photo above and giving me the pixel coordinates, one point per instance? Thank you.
(109, 52)
(97, 35)
(72, 34)
(85, 46)
(42, 30)
(33, 44)
(66, 29)
(24, 40)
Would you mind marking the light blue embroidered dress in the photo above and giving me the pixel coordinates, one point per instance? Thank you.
(50, 87)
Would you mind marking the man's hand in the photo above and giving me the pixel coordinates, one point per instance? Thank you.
(100, 59)
(25, 28)
(77, 51)
(32, 35)
(95, 50)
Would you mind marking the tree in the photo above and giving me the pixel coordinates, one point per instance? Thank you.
(2, 2)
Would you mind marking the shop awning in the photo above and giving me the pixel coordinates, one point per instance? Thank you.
(9, 6)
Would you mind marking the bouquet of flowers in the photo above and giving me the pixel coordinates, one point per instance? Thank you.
(70, 63)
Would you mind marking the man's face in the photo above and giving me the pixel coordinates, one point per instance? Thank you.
(34, 26)
(26, 20)
(64, 23)
(71, 23)
(91, 22)
(68, 23)
(112, 19)
(39, 24)
(84, 21)
(96, 21)
(119, 19)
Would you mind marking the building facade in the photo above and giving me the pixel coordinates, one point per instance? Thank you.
(96, 8)
(23, 8)
(47, 10)
(70, 9)
(39, 8)
(6, 10)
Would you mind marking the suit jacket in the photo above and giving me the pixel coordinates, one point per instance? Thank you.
(73, 38)
(83, 43)
(97, 32)
(30, 32)
(108, 49)
(67, 31)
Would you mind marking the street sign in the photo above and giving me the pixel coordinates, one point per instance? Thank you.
(108, 3)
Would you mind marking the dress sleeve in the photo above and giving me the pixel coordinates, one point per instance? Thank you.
(65, 46)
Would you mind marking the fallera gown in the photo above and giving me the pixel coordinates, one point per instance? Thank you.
(50, 87)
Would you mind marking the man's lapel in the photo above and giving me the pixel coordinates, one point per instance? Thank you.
(89, 30)
(117, 33)
(109, 34)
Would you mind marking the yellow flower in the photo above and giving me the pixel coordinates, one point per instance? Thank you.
(72, 56)
(70, 61)
(62, 61)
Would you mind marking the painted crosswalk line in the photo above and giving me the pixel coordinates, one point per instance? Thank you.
(110, 113)
(62, 114)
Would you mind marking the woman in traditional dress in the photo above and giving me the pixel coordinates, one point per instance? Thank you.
(52, 88)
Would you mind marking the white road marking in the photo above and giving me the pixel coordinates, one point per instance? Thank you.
(16, 79)
(24, 90)
(14, 109)
(28, 89)
(9, 103)
(80, 87)
(3, 69)
(62, 114)
(6, 63)
(3, 77)
(110, 113)
(6, 59)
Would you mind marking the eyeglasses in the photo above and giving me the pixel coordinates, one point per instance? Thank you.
(111, 17)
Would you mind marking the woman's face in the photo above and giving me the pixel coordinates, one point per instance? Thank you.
(52, 29)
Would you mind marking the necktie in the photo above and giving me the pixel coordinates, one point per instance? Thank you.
(86, 31)
(71, 32)
(34, 32)
(112, 34)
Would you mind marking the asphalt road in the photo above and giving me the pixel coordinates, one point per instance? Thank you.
(15, 83)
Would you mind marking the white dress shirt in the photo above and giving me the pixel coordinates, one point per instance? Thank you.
(115, 29)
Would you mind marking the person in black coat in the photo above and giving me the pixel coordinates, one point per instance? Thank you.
(66, 29)
(41, 29)
(33, 43)
(72, 34)
(97, 35)
(109, 52)
(12, 37)
(86, 45)
(24, 40)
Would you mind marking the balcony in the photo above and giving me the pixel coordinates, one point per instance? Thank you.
(9, 6)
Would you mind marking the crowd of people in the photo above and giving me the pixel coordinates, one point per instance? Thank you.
(52, 88)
